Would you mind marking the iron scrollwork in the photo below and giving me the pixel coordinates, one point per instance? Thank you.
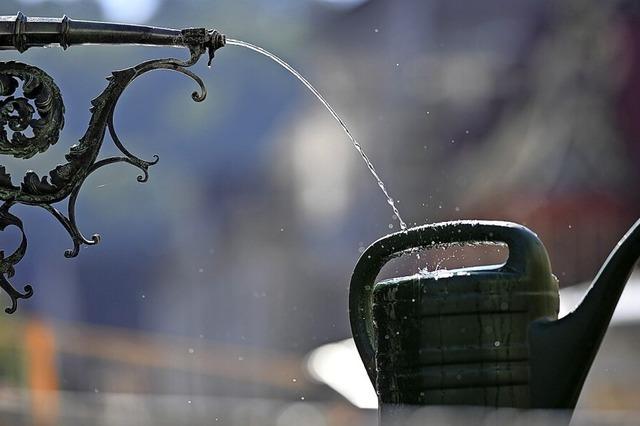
(32, 117)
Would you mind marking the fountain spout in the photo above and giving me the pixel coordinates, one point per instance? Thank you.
(20, 32)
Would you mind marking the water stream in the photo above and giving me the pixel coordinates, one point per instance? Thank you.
(333, 113)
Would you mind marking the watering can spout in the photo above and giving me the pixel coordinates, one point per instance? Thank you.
(562, 351)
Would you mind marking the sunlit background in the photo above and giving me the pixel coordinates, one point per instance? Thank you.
(218, 294)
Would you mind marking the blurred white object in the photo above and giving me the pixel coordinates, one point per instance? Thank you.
(627, 311)
(138, 11)
(339, 366)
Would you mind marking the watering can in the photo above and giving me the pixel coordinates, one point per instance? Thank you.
(480, 336)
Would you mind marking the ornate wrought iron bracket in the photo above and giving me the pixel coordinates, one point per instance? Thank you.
(31, 121)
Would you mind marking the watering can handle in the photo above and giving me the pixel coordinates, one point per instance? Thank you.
(525, 250)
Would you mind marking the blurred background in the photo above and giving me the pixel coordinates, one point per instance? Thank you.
(217, 282)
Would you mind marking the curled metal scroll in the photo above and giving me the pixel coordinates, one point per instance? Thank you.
(31, 118)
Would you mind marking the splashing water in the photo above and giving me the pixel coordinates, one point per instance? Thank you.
(333, 113)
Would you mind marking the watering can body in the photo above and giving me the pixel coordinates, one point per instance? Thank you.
(482, 336)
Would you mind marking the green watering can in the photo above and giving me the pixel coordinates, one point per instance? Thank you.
(482, 336)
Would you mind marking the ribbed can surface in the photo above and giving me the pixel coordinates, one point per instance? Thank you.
(458, 338)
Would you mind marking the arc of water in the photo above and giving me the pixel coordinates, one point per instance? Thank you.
(333, 113)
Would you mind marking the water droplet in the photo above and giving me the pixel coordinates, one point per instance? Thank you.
(281, 229)
(391, 226)
(496, 343)
(375, 30)
(189, 402)
(143, 296)
(294, 380)
(302, 398)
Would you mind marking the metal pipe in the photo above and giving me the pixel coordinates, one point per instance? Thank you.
(20, 32)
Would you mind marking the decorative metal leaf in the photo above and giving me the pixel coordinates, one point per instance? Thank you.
(41, 110)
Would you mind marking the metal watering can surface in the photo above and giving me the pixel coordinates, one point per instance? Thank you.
(480, 336)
